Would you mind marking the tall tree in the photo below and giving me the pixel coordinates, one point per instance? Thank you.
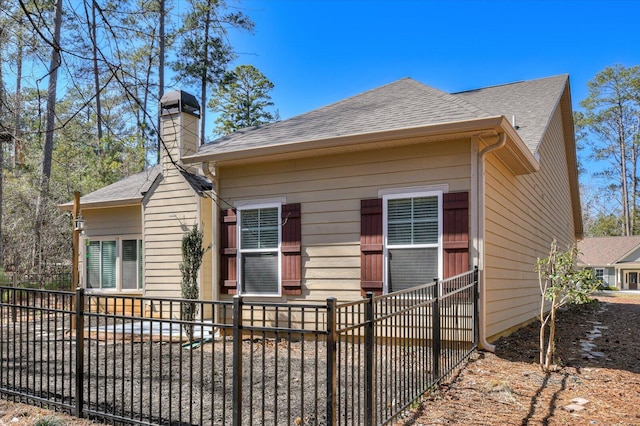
(47, 151)
(3, 127)
(610, 122)
(243, 100)
(205, 51)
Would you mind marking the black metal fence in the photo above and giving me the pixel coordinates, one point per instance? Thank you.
(55, 280)
(131, 360)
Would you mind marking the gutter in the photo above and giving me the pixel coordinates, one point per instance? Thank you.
(502, 141)
(207, 168)
(227, 151)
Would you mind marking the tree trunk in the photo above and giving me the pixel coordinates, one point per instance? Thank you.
(2, 135)
(96, 71)
(552, 336)
(203, 87)
(47, 151)
(161, 48)
(623, 175)
(17, 149)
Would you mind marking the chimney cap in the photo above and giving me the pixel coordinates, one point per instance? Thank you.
(179, 101)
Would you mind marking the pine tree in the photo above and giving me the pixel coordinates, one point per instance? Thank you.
(242, 99)
(205, 53)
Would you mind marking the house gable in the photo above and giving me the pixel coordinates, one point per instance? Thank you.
(632, 257)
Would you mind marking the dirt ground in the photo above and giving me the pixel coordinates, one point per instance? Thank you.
(597, 381)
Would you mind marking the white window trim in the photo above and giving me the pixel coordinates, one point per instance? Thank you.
(240, 206)
(443, 188)
(391, 195)
(119, 256)
(257, 203)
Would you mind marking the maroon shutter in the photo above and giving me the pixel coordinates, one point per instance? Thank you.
(291, 250)
(371, 246)
(455, 230)
(228, 252)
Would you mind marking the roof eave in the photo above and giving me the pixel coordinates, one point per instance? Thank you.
(517, 155)
(123, 202)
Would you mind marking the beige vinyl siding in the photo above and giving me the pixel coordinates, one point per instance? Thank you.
(163, 233)
(206, 271)
(108, 222)
(330, 188)
(523, 215)
(113, 221)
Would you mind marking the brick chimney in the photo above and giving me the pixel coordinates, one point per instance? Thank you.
(179, 121)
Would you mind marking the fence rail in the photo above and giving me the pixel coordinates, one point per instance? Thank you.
(57, 280)
(137, 360)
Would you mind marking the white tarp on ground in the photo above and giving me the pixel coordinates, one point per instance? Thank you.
(157, 328)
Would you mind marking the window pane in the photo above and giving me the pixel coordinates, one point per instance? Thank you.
(411, 267)
(425, 220)
(259, 228)
(250, 232)
(108, 264)
(260, 273)
(139, 263)
(93, 264)
(130, 264)
(412, 221)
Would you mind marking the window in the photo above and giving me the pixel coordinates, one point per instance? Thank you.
(101, 264)
(114, 264)
(259, 237)
(599, 273)
(413, 239)
(131, 264)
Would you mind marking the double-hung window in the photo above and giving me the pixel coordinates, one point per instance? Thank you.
(114, 264)
(413, 239)
(259, 255)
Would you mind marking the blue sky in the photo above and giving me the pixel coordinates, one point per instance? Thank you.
(317, 52)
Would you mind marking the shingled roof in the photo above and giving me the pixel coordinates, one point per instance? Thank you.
(132, 189)
(531, 103)
(605, 251)
(404, 104)
(129, 190)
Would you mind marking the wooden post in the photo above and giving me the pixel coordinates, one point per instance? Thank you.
(75, 282)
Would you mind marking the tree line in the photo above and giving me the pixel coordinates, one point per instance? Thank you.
(80, 83)
(608, 136)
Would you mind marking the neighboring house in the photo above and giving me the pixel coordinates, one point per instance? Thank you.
(615, 260)
(384, 190)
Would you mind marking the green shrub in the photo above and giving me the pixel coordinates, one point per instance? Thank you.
(49, 421)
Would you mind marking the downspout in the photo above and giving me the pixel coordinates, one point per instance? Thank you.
(215, 279)
(480, 238)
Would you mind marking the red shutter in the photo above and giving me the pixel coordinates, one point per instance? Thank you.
(228, 252)
(291, 249)
(371, 246)
(455, 229)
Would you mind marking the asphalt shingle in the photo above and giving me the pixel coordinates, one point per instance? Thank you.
(407, 103)
(402, 104)
(602, 251)
(531, 102)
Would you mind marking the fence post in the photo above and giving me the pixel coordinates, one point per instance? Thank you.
(79, 331)
(435, 333)
(369, 345)
(237, 360)
(331, 361)
(476, 315)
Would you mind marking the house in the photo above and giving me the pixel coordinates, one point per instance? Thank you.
(131, 244)
(384, 190)
(615, 260)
